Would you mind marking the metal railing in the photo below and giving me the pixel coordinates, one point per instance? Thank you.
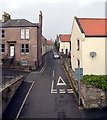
(5, 58)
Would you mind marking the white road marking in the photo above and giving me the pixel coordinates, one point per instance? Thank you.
(53, 90)
(70, 90)
(60, 79)
(62, 91)
(53, 73)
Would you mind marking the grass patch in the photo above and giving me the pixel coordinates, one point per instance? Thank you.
(96, 80)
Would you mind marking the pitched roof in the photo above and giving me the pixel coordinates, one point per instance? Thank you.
(65, 38)
(48, 42)
(18, 23)
(93, 26)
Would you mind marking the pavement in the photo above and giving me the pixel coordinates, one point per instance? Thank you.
(51, 96)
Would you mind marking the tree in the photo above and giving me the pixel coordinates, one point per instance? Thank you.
(55, 44)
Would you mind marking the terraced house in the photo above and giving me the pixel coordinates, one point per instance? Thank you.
(89, 45)
(65, 43)
(21, 40)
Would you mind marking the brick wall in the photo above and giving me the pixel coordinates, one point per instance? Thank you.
(13, 34)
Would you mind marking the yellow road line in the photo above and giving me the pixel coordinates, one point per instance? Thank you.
(71, 84)
(24, 101)
(42, 70)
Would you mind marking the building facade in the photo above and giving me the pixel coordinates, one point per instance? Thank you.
(21, 39)
(64, 43)
(89, 45)
(43, 45)
(49, 45)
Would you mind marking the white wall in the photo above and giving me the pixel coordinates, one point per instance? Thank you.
(94, 65)
(64, 46)
(106, 56)
(76, 35)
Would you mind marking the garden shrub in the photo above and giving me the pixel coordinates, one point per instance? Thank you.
(96, 80)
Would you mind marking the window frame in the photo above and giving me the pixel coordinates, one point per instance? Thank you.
(78, 45)
(3, 34)
(22, 48)
(26, 49)
(27, 33)
(22, 34)
(2, 48)
(24, 62)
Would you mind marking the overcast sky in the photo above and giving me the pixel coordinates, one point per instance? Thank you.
(58, 15)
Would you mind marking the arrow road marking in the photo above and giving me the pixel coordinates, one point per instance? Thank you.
(53, 90)
(60, 81)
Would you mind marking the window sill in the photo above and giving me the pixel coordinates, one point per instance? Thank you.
(24, 39)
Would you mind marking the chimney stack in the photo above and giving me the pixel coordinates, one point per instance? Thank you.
(40, 19)
(5, 17)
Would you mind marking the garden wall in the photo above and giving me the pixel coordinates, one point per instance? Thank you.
(91, 96)
(9, 90)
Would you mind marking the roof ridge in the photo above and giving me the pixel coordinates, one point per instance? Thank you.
(94, 18)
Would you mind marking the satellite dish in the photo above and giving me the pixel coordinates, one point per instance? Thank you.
(93, 54)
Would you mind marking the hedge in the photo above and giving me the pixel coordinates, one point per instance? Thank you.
(96, 80)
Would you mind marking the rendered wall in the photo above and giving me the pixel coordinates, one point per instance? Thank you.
(76, 35)
(95, 65)
(64, 46)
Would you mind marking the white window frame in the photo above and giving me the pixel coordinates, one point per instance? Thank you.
(24, 62)
(22, 33)
(26, 48)
(27, 33)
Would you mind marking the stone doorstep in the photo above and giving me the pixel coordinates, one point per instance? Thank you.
(11, 82)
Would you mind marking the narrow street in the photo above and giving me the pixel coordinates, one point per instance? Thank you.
(50, 97)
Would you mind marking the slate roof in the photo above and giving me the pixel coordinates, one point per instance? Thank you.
(18, 23)
(93, 27)
(65, 38)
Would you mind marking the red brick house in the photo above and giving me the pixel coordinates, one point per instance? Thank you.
(49, 45)
(21, 40)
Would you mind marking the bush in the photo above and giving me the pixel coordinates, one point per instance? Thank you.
(96, 80)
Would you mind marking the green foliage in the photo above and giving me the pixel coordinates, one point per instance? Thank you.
(55, 44)
(96, 80)
(4, 98)
(18, 64)
(9, 89)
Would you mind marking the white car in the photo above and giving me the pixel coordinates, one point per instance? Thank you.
(55, 55)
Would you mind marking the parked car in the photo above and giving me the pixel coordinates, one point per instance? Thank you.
(55, 55)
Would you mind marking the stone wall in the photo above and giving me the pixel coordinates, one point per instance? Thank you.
(91, 96)
(9, 90)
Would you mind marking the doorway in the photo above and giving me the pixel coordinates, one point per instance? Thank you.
(11, 50)
(66, 51)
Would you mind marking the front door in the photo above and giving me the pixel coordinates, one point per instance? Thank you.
(66, 51)
(11, 51)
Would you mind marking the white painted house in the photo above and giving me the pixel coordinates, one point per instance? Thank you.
(64, 43)
(89, 45)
